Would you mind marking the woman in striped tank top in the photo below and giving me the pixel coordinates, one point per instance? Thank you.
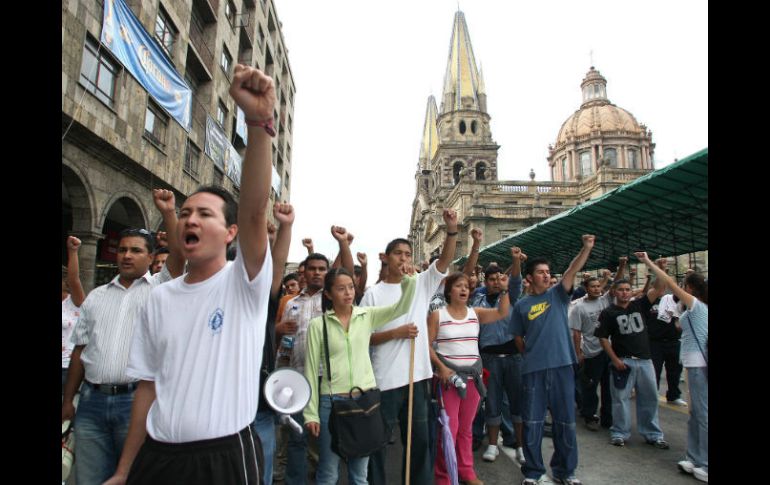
(454, 335)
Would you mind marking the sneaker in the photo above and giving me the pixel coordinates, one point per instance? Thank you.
(568, 481)
(678, 402)
(520, 456)
(491, 453)
(700, 474)
(686, 466)
(618, 441)
(660, 443)
(592, 424)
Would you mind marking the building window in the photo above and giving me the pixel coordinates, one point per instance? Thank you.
(633, 158)
(462, 127)
(456, 168)
(611, 157)
(474, 126)
(230, 13)
(192, 156)
(98, 72)
(165, 32)
(226, 61)
(585, 163)
(564, 169)
(155, 124)
(221, 114)
(219, 177)
(481, 170)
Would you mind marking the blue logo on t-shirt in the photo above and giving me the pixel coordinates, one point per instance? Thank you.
(216, 321)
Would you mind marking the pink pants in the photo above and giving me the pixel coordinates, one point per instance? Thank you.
(461, 413)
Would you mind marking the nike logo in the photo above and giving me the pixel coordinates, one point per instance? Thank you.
(537, 310)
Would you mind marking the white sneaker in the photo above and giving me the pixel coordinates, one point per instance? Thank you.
(686, 466)
(520, 456)
(678, 402)
(491, 453)
(700, 474)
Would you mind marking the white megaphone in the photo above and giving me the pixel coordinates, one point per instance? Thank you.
(287, 392)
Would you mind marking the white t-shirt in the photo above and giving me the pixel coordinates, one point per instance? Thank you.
(668, 308)
(391, 359)
(202, 345)
(69, 317)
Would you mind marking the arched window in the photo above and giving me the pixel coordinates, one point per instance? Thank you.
(481, 170)
(474, 126)
(462, 127)
(564, 169)
(611, 157)
(585, 163)
(456, 171)
(633, 158)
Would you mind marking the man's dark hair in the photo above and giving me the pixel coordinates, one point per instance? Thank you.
(231, 253)
(491, 270)
(529, 270)
(699, 285)
(433, 258)
(163, 250)
(317, 257)
(230, 207)
(590, 280)
(357, 270)
(619, 282)
(289, 277)
(143, 233)
(392, 245)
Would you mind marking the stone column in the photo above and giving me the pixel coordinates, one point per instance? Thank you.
(87, 257)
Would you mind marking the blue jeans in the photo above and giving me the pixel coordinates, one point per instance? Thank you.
(641, 378)
(698, 425)
(296, 454)
(504, 380)
(553, 389)
(329, 462)
(101, 426)
(394, 411)
(264, 426)
(596, 371)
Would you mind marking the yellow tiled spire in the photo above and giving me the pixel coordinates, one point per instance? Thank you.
(462, 82)
(430, 132)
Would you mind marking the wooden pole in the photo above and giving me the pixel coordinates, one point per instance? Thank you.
(409, 412)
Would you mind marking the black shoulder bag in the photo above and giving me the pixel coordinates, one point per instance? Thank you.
(705, 357)
(356, 425)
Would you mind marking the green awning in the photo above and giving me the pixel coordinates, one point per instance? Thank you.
(664, 212)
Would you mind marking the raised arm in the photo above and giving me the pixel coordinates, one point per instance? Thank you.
(73, 272)
(450, 242)
(284, 214)
(344, 257)
(473, 255)
(622, 263)
(685, 297)
(254, 94)
(361, 287)
(165, 203)
(568, 280)
(383, 315)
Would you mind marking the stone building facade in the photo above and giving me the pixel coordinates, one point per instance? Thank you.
(597, 149)
(118, 143)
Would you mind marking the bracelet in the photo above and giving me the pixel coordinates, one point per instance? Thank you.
(266, 124)
(503, 292)
(452, 233)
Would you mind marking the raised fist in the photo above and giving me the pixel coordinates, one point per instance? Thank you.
(642, 256)
(361, 258)
(450, 218)
(588, 241)
(253, 92)
(161, 239)
(623, 260)
(350, 238)
(283, 213)
(73, 243)
(340, 234)
(308, 243)
(164, 200)
(476, 234)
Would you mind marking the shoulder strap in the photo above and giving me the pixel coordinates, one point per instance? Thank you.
(696, 339)
(326, 354)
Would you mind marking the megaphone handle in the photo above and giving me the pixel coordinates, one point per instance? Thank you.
(286, 419)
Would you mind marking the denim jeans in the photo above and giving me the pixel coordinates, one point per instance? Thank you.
(264, 426)
(394, 410)
(329, 462)
(296, 454)
(698, 425)
(641, 378)
(101, 426)
(553, 389)
(504, 379)
(667, 353)
(596, 371)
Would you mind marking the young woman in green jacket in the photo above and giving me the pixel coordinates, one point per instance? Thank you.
(348, 328)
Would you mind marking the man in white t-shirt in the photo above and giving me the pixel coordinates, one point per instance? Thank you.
(197, 348)
(390, 353)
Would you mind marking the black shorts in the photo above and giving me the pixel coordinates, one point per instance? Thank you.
(231, 460)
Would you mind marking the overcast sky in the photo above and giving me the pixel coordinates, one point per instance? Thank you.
(364, 70)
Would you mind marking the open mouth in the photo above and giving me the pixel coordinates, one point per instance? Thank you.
(191, 240)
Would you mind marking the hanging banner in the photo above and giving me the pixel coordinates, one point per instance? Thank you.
(240, 124)
(216, 143)
(126, 38)
(233, 163)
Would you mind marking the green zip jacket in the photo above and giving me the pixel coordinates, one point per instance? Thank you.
(350, 363)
